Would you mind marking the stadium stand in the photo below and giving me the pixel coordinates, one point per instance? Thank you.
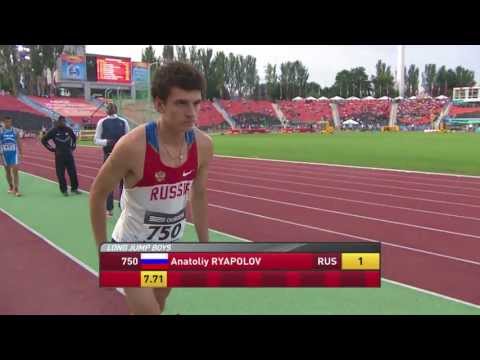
(24, 117)
(469, 110)
(236, 107)
(209, 117)
(11, 103)
(78, 110)
(251, 116)
(420, 112)
(306, 111)
(357, 108)
(247, 114)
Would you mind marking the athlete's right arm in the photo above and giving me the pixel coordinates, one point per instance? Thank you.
(98, 134)
(46, 138)
(115, 168)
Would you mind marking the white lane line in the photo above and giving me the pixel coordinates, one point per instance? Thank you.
(351, 166)
(56, 247)
(276, 189)
(246, 240)
(330, 176)
(353, 171)
(297, 183)
(316, 228)
(348, 214)
(319, 178)
(330, 211)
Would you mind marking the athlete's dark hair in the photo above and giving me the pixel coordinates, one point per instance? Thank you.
(7, 118)
(176, 74)
(111, 109)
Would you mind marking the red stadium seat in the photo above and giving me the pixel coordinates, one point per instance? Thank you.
(11, 103)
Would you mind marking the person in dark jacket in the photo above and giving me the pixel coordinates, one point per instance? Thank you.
(109, 130)
(65, 143)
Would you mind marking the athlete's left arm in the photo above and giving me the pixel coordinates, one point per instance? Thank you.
(19, 144)
(199, 188)
(73, 144)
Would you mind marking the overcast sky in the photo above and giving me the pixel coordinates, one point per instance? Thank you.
(324, 61)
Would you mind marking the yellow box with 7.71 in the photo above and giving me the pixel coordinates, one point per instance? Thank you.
(153, 279)
(360, 261)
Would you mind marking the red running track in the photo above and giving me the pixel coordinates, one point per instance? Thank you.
(429, 224)
(37, 292)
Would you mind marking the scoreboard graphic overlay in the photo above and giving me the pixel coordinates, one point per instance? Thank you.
(157, 265)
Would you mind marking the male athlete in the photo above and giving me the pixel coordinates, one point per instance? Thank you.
(65, 143)
(11, 153)
(109, 130)
(163, 164)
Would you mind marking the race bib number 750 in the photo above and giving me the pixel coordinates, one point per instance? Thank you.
(164, 227)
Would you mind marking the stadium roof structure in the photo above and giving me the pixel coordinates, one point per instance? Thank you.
(323, 98)
(441, 97)
(384, 98)
(298, 98)
(369, 98)
(399, 98)
(337, 98)
(412, 98)
(311, 98)
(353, 98)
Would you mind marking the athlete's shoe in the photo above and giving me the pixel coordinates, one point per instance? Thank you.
(65, 193)
(76, 192)
(109, 214)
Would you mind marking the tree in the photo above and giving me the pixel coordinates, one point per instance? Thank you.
(37, 66)
(9, 58)
(428, 78)
(272, 84)
(168, 54)
(251, 78)
(194, 57)
(411, 80)
(218, 76)
(343, 83)
(205, 61)
(313, 89)
(464, 77)
(230, 73)
(148, 55)
(383, 82)
(293, 79)
(360, 84)
(302, 79)
(440, 84)
(283, 80)
(239, 75)
(50, 55)
(452, 81)
(182, 53)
